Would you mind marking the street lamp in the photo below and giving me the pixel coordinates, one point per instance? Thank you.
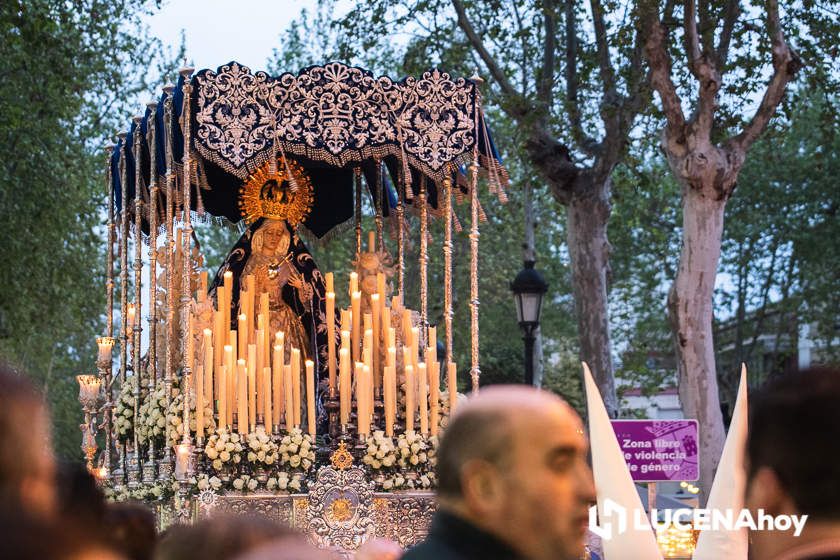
(528, 288)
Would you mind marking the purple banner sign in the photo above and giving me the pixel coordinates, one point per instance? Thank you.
(659, 450)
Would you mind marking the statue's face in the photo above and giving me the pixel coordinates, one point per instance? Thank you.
(272, 235)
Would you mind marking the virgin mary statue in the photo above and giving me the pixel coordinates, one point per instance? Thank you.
(271, 252)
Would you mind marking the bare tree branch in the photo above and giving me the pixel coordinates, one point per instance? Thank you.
(546, 82)
(603, 48)
(733, 10)
(660, 68)
(525, 62)
(692, 41)
(478, 45)
(785, 65)
(586, 143)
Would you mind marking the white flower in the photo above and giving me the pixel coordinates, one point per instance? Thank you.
(294, 460)
(252, 484)
(294, 484)
(252, 456)
(215, 483)
(217, 464)
(239, 484)
(211, 452)
(271, 484)
(203, 484)
(388, 484)
(224, 456)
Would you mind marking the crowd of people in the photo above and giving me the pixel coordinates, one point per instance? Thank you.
(514, 483)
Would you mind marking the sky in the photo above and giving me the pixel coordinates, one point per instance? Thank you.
(218, 31)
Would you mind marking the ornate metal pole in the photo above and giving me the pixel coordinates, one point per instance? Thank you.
(137, 368)
(165, 466)
(119, 473)
(358, 213)
(184, 451)
(401, 239)
(186, 278)
(475, 370)
(104, 366)
(378, 205)
(424, 262)
(149, 466)
(447, 265)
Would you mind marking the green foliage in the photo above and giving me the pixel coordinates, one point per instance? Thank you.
(68, 70)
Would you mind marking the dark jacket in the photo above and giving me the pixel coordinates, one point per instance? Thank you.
(453, 538)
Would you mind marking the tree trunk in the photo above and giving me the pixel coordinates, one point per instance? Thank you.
(690, 312)
(587, 212)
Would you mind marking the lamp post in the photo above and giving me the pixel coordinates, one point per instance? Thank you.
(528, 289)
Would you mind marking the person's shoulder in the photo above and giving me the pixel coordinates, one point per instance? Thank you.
(430, 550)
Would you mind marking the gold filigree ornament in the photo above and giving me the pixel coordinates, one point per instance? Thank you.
(340, 510)
(273, 195)
(341, 459)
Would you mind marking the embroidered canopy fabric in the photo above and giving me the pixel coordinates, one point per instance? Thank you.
(330, 118)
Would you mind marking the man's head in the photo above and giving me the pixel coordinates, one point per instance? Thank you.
(513, 462)
(792, 446)
(27, 467)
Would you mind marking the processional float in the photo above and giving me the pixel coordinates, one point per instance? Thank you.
(253, 392)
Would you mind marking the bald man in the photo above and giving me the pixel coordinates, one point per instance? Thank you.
(513, 480)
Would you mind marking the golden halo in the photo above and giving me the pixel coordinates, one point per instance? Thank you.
(270, 195)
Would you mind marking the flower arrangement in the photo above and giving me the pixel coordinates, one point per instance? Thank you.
(151, 419)
(408, 463)
(176, 417)
(297, 450)
(224, 449)
(157, 491)
(261, 450)
(124, 410)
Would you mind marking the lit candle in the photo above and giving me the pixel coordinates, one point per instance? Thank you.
(208, 365)
(242, 400)
(357, 323)
(222, 402)
(392, 357)
(452, 385)
(368, 386)
(230, 373)
(406, 325)
(415, 341)
(250, 295)
(392, 338)
(360, 398)
(422, 397)
(310, 396)
(409, 398)
(345, 340)
(199, 403)
(296, 385)
(389, 400)
(344, 385)
(260, 364)
(277, 383)
(371, 242)
(266, 391)
(354, 283)
(432, 342)
(290, 404)
(374, 303)
(252, 387)
(220, 336)
(130, 319)
(105, 346)
(328, 278)
(434, 396)
(182, 460)
(242, 334)
(331, 338)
